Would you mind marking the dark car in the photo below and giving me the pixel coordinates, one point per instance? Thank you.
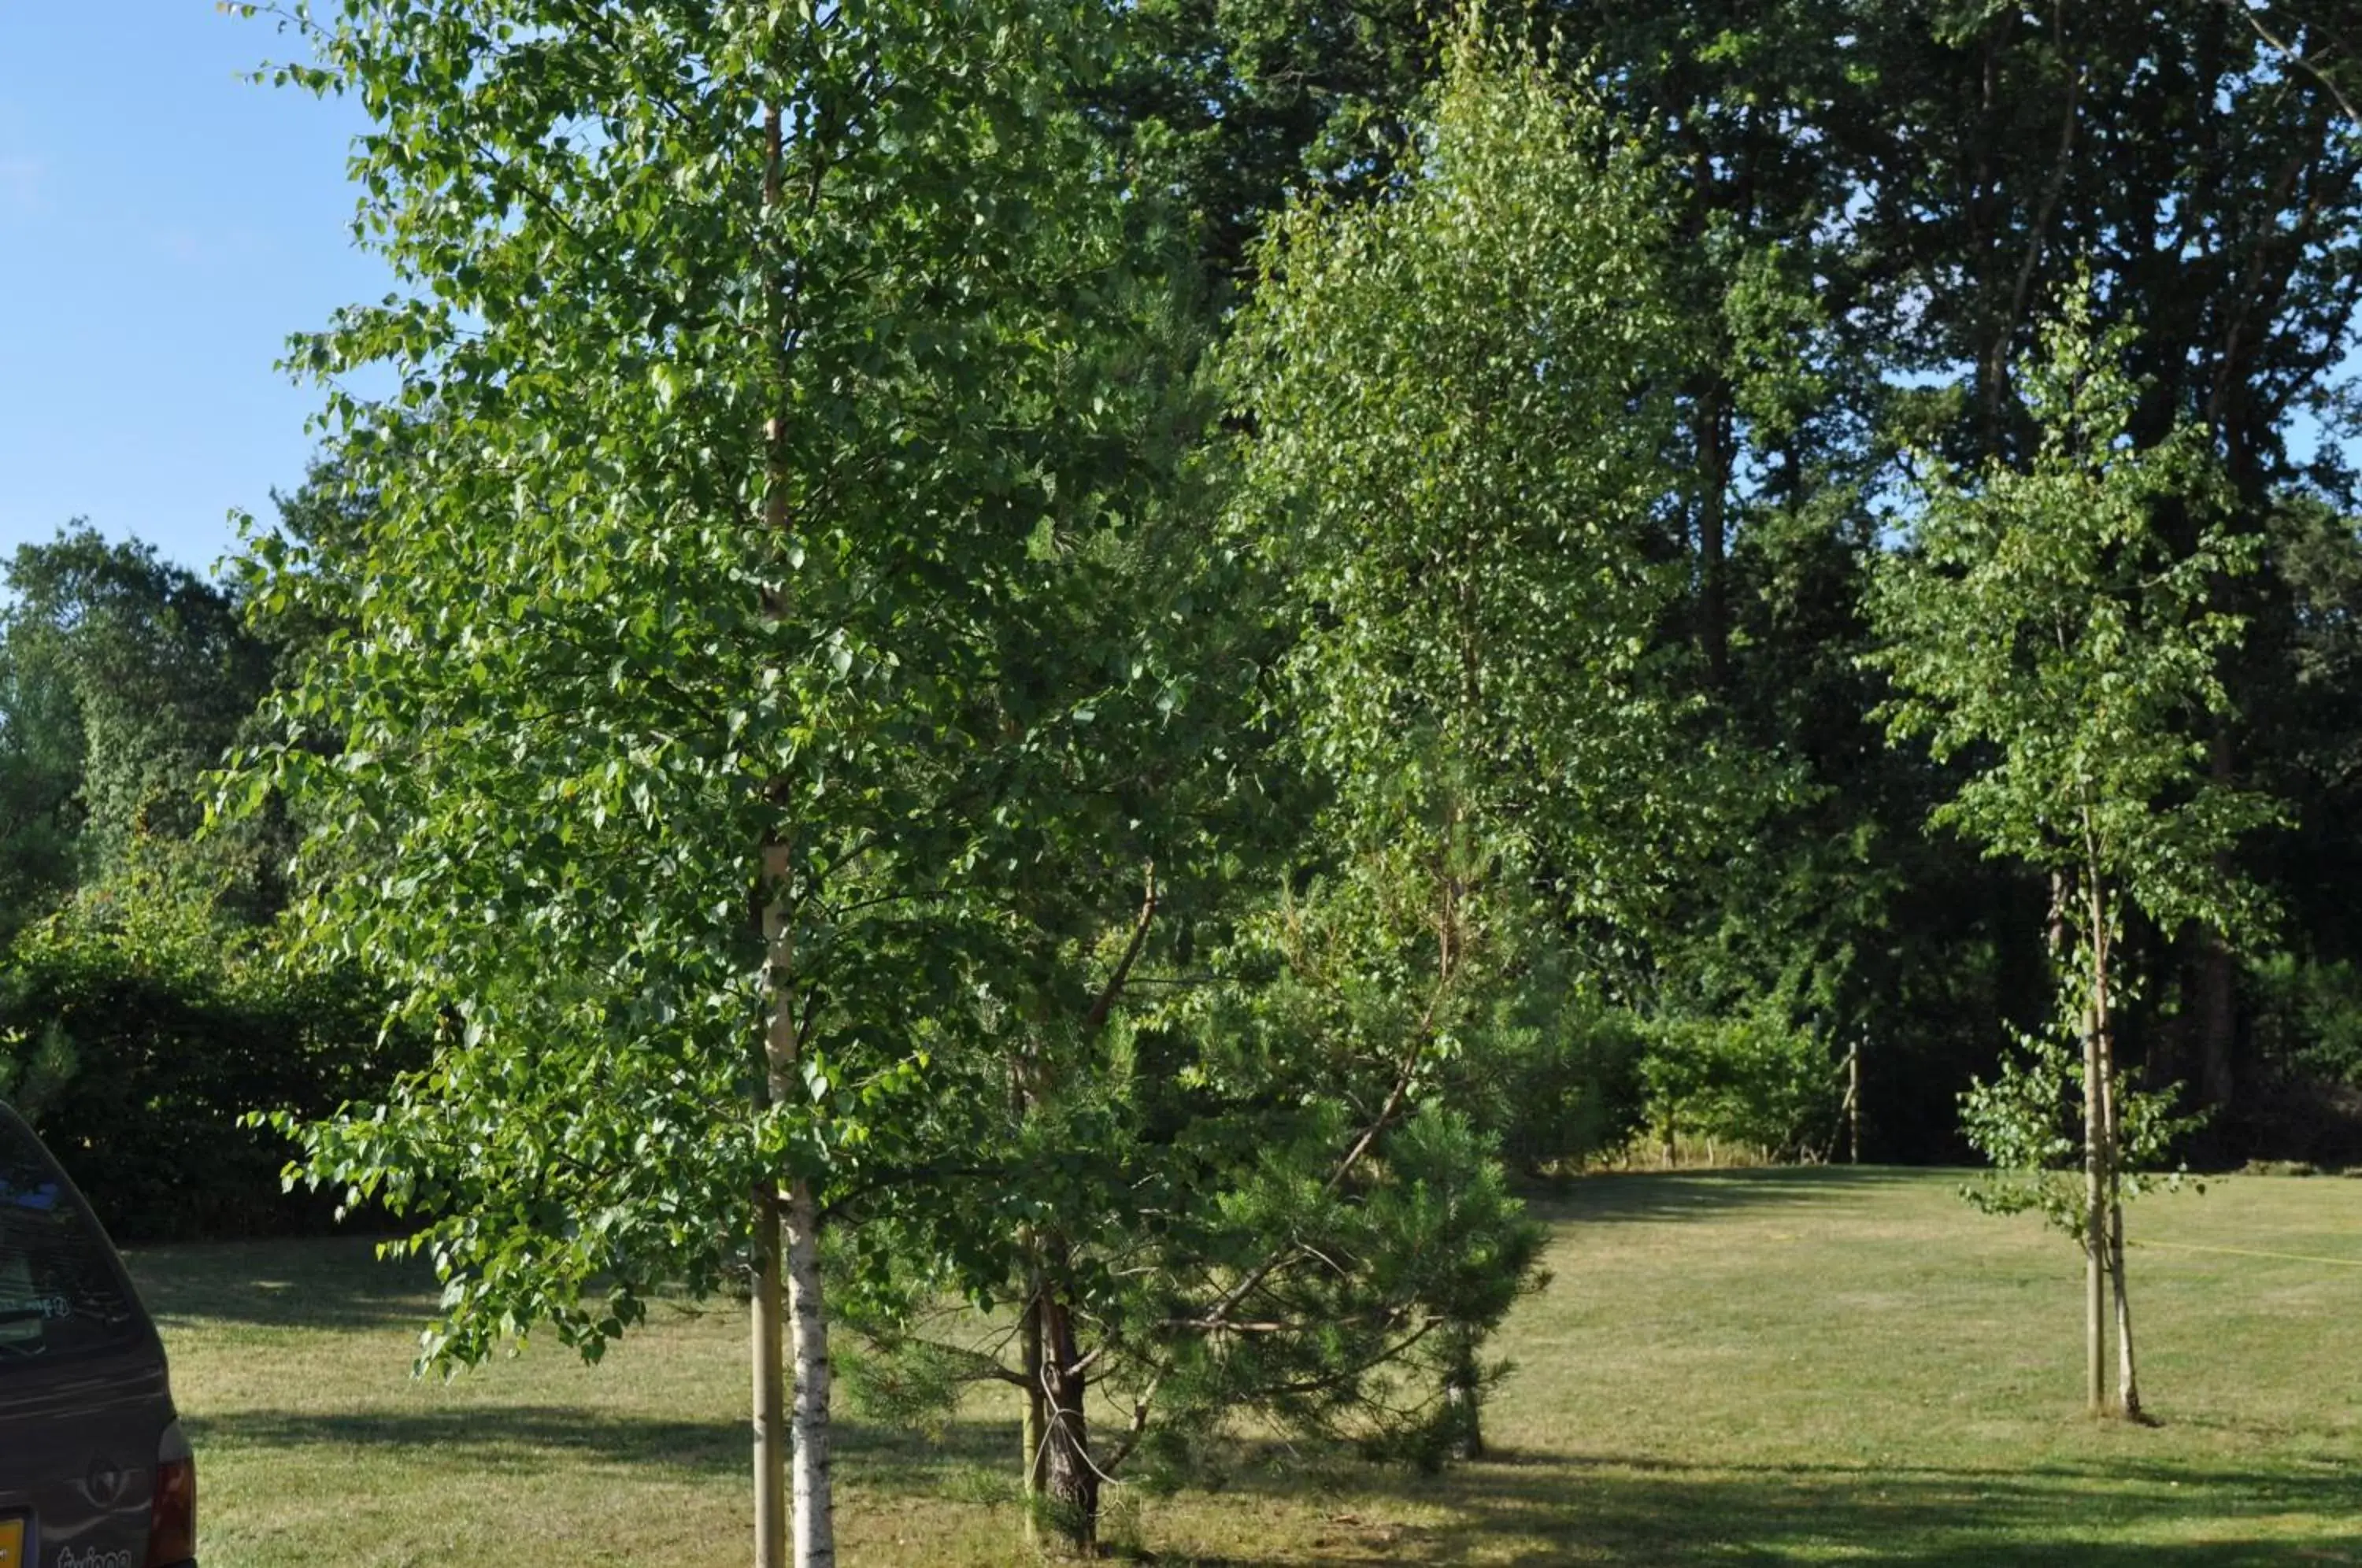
(94, 1470)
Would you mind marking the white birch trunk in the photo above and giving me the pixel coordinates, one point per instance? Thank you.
(813, 1505)
(771, 1434)
(810, 1517)
(772, 869)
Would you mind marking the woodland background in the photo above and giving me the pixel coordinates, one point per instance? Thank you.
(1872, 206)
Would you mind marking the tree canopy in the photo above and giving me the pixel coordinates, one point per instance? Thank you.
(1121, 656)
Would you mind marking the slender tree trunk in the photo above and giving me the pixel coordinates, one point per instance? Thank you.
(813, 1500)
(770, 1377)
(1853, 1103)
(812, 1504)
(1035, 1456)
(2111, 1140)
(1071, 1480)
(769, 1321)
(1061, 1478)
(2103, 1233)
(2095, 1241)
(1464, 1401)
(799, 1447)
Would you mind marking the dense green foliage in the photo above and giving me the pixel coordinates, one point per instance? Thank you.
(126, 679)
(140, 1026)
(1872, 209)
(1117, 651)
(613, 625)
(142, 1018)
(798, 536)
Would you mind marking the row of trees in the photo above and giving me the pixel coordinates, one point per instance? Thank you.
(838, 750)
(1078, 659)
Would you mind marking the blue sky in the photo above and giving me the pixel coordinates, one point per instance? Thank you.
(164, 225)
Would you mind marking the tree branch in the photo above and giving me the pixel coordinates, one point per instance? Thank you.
(1097, 1016)
(2293, 57)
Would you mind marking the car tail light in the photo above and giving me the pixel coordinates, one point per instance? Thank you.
(172, 1503)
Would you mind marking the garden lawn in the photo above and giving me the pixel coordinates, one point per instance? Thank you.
(1745, 1367)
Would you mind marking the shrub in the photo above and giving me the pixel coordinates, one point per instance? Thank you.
(139, 1024)
(1752, 1077)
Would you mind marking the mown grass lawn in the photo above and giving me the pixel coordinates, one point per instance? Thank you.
(1745, 1367)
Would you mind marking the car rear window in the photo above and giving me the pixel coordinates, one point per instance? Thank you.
(58, 1291)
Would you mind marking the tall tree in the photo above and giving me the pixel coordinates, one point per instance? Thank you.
(752, 369)
(40, 776)
(128, 678)
(1247, 1199)
(2044, 628)
(1457, 404)
(1450, 464)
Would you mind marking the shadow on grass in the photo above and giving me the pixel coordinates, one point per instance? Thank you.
(528, 1438)
(513, 1438)
(336, 1284)
(1658, 1197)
(1532, 1511)
(1521, 1509)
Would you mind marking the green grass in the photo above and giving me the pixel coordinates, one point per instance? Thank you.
(1747, 1367)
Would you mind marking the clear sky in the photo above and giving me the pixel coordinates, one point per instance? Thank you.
(164, 225)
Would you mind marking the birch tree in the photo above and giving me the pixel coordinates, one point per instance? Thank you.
(1457, 394)
(744, 354)
(2052, 629)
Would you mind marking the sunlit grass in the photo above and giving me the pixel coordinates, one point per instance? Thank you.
(1751, 1367)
